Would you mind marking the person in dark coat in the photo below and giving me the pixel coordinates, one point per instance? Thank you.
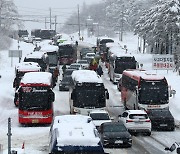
(99, 70)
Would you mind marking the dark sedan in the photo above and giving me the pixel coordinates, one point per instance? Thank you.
(115, 133)
(161, 119)
(65, 83)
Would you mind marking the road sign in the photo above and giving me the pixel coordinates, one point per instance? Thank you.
(15, 53)
(161, 62)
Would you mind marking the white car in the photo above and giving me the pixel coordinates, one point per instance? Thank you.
(84, 63)
(99, 117)
(174, 149)
(90, 55)
(75, 66)
(136, 121)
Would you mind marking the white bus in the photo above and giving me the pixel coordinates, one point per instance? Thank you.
(118, 62)
(74, 134)
(87, 92)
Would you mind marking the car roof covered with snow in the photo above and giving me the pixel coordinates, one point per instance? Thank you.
(136, 111)
(73, 127)
(87, 76)
(71, 119)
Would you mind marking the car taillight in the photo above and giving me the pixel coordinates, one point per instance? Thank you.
(148, 120)
(129, 121)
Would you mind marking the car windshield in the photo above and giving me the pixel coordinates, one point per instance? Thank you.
(99, 116)
(114, 128)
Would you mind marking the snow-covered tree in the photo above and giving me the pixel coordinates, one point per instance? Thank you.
(159, 26)
(8, 17)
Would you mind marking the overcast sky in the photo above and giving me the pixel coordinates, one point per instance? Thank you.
(38, 10)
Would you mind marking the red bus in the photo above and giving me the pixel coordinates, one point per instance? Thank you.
(140, 90)
(67, 53)
(36, 98)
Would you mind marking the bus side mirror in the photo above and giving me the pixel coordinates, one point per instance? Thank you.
(107, 93)
(178, 150)
(52, 97)
(166, 149)
(72, 95)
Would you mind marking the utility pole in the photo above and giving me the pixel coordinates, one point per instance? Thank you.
(122, 22)
(79, 22)
(55, 23)
(45, 23)
(9, 135)
(50, 17)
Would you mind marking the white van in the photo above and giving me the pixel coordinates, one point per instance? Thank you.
(74, 134)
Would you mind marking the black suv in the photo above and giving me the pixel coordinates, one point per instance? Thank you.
(161, 119)
(115, 133)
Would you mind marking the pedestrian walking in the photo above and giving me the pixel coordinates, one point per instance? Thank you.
(99, 70)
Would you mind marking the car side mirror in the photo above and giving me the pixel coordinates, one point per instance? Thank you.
(107, 94)
(166, 148)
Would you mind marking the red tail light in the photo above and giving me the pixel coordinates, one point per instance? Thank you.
(129, 121)
(148, 120)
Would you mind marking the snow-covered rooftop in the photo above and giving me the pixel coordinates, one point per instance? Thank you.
(66, 43)
(36, 78)
(119, 51)
(37, 55)
(27, 66)
(143, 74)
(87, 76)
(73, 127)
(49, 48)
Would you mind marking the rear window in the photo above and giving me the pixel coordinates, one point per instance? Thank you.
(138, 116)
(99, 116)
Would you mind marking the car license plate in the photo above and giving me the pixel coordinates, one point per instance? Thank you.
(118, 141)
(163, 125)
(35, 121)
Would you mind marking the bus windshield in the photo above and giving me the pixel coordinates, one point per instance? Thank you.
(123, 63)
(66, 51)
(89, 97)
(153, 93)
(53, 59)
(34, 98)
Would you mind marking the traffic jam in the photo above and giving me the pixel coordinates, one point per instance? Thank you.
(80, 73)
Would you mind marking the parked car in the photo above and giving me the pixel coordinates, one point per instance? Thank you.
(75, 66)
(161, 119)
(99, 117)
(65, 83)
(84, 63)
(136, 121)
(115, 133)
(174, 149)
